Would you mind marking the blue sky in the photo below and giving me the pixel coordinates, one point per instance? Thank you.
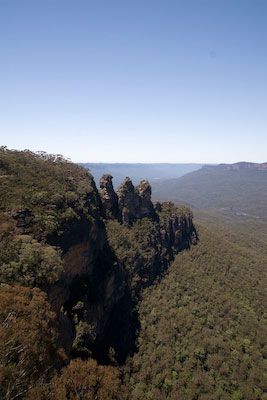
(135, 80)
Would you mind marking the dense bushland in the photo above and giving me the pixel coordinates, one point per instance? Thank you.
(203, 332)
(29, 340)
(45, 193)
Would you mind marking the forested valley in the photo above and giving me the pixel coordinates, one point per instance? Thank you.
(106, 295)
(203, 326)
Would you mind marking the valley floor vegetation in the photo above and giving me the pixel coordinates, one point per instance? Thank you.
(203, 327)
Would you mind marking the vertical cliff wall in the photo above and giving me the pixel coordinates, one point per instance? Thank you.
(91, 251)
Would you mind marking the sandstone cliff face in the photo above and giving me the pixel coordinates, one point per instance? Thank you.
(177, 229)
(150, 235)
(109, 197)
(89, 307)
(91, 251)
(146, 207)
(92, 280)
(145, 239)
(104, 285)
(129, 203)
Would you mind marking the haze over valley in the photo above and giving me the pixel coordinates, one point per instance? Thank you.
(137, 172)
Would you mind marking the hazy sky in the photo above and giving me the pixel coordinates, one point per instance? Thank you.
(135, 80)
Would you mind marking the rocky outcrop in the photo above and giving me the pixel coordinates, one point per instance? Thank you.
(129, 203)
(109, 197)
(151, 244)
(103, 286)
(176, 227)
(146, 207)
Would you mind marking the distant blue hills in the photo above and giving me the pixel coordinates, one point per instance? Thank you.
(152, 172)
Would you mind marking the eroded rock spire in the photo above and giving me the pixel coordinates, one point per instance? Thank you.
(109, 197)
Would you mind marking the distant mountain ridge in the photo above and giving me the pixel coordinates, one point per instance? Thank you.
(240, 188)
(242, 165)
